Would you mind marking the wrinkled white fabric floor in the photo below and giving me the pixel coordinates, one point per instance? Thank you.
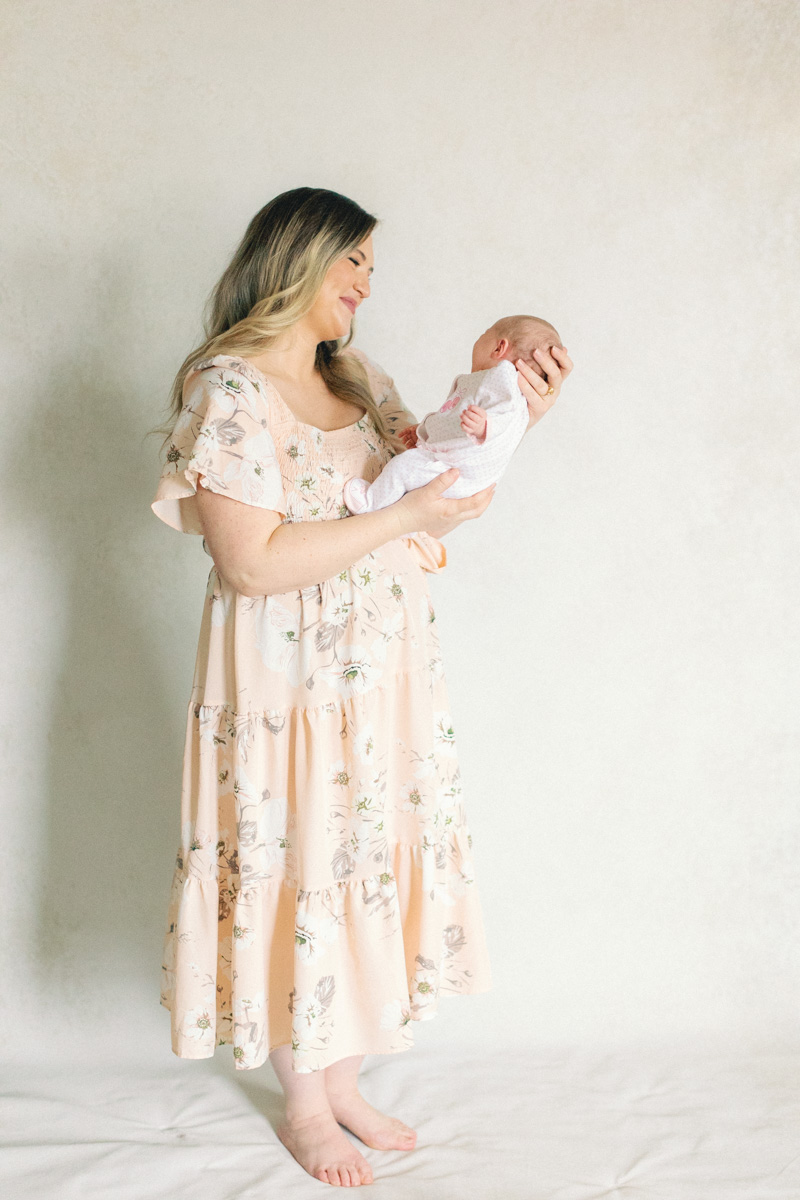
(553, 1125)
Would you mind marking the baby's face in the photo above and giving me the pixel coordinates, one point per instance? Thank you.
(490, 348)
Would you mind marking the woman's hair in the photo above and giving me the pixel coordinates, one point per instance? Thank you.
(273, 280)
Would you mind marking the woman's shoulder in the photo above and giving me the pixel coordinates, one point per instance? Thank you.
(223, 366)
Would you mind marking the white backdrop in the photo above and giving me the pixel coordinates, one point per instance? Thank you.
(619, 630)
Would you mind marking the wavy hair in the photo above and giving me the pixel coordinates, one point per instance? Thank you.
(273, 280)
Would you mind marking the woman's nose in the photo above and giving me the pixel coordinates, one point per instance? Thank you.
(362, 287)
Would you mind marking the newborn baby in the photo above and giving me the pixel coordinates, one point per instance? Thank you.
(478, 427)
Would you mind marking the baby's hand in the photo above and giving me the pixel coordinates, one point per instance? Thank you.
(473, 422)
(408, 436)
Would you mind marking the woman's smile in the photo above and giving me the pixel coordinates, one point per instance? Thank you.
(349, 302)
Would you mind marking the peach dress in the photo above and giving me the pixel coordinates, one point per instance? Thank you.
(323, 892)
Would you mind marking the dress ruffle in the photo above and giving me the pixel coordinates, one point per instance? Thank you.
(293, 966)
(342, 913)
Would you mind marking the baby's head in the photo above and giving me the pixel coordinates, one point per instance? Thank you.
(513, 338)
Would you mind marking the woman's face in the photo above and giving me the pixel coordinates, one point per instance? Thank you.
(345, 286)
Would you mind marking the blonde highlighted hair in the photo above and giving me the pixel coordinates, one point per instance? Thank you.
(273, 280)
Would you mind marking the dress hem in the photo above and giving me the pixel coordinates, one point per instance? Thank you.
(210, 1052)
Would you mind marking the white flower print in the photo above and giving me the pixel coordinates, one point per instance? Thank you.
(459, 881)
(295, 448)
(366, 577)
(208, 730)
(337, 612)
(245, 1005)
(395, 1015)
(234, 390)
(312, 934)
(311, 1017)
(214, 436)
(279, 643)
(354, 672)
(307, 485)
(364, 744)
(358, 838)
(263, 821)
(307, 1011)
(424, 987)
(338, 773)
(246, 1052)
(450, 795)
(333, 478)
(200, 854)
(411, 797)
(198, 1024)
(243, 936)
(444, 734)
(396, 587)
(425, 766)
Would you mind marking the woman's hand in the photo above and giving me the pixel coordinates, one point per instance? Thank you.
(424, 509)
(555, 366)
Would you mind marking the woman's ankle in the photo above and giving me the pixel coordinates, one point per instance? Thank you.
(298, 1115)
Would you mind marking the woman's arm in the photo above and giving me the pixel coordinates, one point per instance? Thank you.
(260, 556)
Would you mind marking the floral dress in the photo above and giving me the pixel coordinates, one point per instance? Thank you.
(323, 893)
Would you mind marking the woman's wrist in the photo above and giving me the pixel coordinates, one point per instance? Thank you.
(399, 518)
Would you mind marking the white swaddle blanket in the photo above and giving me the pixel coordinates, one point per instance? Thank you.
(442, 443)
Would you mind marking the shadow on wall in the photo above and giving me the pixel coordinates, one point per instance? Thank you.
(118, 691)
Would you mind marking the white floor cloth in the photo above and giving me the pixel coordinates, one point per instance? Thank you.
(552, 1125)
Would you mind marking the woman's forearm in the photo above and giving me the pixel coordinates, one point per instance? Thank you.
(301, 553)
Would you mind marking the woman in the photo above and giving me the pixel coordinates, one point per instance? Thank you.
(323, 896)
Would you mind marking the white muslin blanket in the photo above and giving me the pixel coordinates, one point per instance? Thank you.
(442, 443)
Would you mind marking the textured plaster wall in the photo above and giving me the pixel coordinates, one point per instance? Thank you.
(619, 630)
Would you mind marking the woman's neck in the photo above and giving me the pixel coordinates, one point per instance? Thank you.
(291, 356)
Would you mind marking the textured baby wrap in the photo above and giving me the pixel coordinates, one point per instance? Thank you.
(442, 443)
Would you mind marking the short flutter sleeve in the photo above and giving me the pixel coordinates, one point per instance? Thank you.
(430, 553)
(221, 441)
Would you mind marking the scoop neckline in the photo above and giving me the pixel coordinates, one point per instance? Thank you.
(302, 424)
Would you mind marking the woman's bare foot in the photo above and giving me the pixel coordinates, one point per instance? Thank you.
(324, 1150)
(374, 1128)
